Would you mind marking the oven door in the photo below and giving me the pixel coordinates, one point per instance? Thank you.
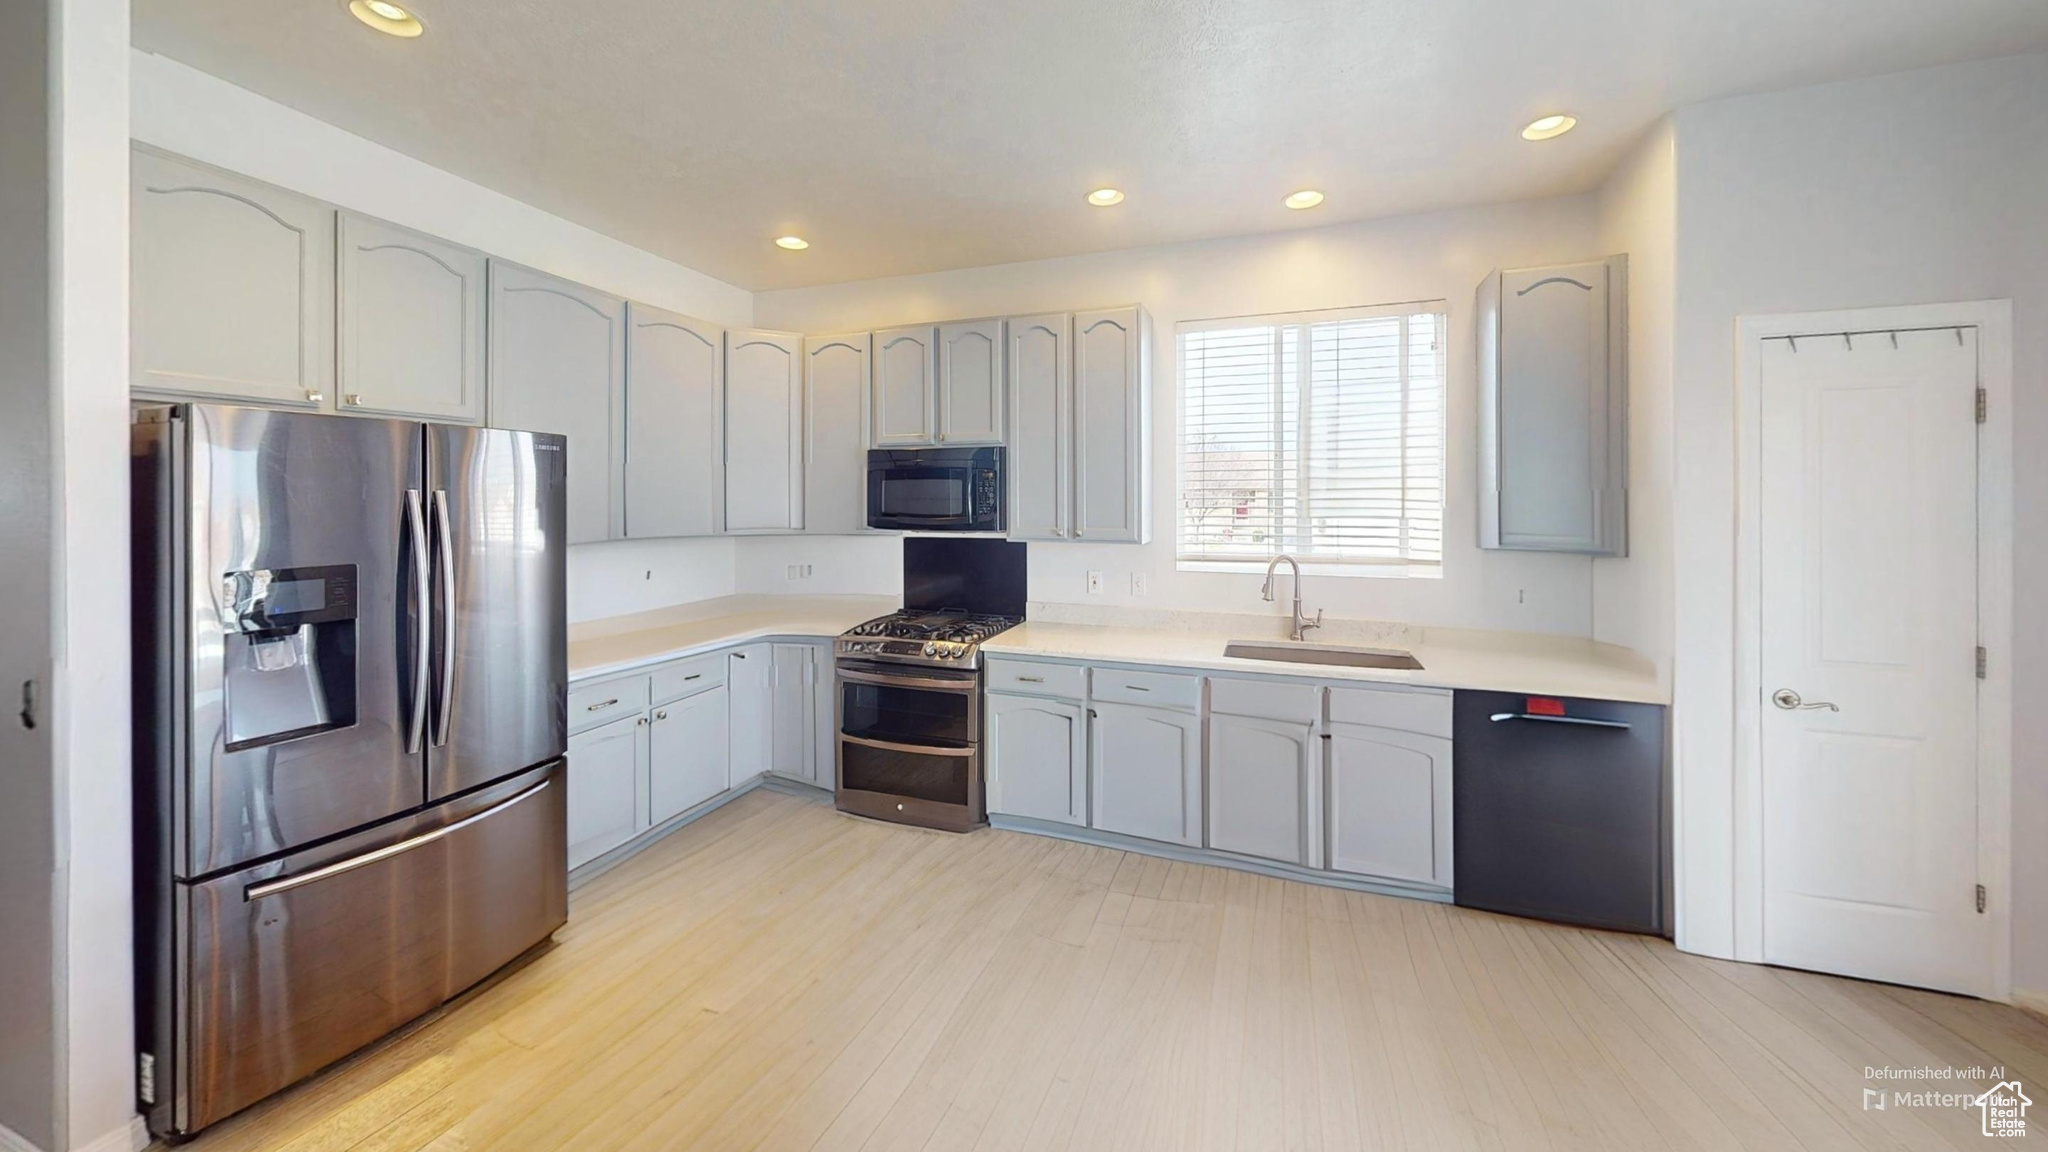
(908, 744)
(920, 496)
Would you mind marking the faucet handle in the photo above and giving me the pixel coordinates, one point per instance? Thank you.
(1315, 623)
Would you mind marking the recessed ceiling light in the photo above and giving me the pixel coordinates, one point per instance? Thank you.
(386, 17)
(793, 243)
(1306, 198)
(1104, 197)
(1549, 127)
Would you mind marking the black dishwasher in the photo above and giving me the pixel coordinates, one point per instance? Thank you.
(1558, 810)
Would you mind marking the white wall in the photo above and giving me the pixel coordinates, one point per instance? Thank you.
(840, 565)
(1442, 255)
(194, 114)
(1920, 187)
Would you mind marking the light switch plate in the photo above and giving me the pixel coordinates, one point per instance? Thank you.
(1137, 583)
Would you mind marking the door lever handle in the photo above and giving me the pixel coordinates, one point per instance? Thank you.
(1789, 700)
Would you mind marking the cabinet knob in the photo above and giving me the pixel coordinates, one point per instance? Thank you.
(353, 399)
(313, 397)
(663, 715)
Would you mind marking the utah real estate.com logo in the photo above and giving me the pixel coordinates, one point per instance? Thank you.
(2003, 1108)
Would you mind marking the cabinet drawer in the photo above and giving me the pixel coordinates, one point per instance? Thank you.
(1067, 681)
(1426, 713)
(1267, 700)
(1152, 689)
(688, 677)
(594, 704)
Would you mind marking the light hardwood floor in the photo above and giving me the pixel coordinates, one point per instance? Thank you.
(779, 976)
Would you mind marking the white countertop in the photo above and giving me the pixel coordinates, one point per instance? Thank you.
(1451, 658)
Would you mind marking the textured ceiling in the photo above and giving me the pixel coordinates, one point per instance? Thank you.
(913, 135)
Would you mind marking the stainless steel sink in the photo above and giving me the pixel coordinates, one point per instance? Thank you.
(1321, 654)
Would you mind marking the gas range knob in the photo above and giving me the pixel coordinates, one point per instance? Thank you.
(930, 649)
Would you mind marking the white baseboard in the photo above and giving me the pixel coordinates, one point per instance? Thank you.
(2035, 1002)
(12, 1141)
(130, 1137)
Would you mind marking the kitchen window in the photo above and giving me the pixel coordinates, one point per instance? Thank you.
(1319, 434)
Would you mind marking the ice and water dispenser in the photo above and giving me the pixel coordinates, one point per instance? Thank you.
(290, 657)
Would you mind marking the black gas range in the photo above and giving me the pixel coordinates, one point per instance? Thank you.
(909, 685)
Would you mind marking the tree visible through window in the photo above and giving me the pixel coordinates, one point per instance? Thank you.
(1319, 434)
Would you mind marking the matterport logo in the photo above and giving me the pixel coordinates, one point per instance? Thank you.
(2001, 1109)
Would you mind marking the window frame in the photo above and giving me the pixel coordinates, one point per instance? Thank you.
(1403, 567)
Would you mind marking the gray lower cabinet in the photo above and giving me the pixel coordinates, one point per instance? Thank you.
(1037, 758)
(687, 750)
(675, 446)
(835, 434)
(558, 364)
(232, 287)
(793, 723)
(750, 705)
(764, 431)
(1265, 789)
(409, 324)
(1145, 765)
(1389, 803)
(607, 787)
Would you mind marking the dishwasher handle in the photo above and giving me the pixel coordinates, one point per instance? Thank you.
(1498, 717)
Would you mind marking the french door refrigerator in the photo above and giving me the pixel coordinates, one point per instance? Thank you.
(350, 716)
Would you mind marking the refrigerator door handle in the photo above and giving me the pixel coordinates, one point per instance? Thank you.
(444, 549)
(416, 526)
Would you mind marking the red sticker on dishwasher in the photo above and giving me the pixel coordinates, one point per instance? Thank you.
(1544, 706)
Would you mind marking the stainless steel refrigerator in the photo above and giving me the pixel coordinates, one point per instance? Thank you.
(350, 716)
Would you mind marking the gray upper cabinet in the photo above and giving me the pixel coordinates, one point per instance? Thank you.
(903, 408)
(1038, 465)
(835, 434)
(409, 324)
(970, 382)
(764, 428)
(1553, 408)
(1112, 425)
(558, 364)
(233, 287)
(675, 463)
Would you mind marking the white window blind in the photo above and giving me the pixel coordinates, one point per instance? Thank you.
(1319, 434)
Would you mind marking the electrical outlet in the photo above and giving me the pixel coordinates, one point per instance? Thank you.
(1095, 583)
(794, 572)
(1137, 583)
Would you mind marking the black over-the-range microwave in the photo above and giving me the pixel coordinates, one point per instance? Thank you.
(936, 489)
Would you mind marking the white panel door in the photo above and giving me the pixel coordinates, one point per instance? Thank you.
(607, 787)
(558, 364)
(1037, 758)
(675, 442)
(1868, 617)
(1145, 772)
(793, 736)
(764, 430)
(1388, 808)
(750, 703)
(836, 434)
(410, 324)
(231, 287)
(1109, 431)
(904, 407)
(971, 382)
(1038, 464)
(1265, 789)
(688, 745)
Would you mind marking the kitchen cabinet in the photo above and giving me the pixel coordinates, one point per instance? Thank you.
(607, 787)
(1389, 803)
(970, 382)
(902, 411)
(675, 442)
(1145, 772)
(409, 324)
(1112, 425)
(558, 364)
(687, 753)
(764, 431)
(750, 705)
(1038, 464)
(232, 286)
(1553, 408)
(1037, 758)
(835, 434)
(1265, 789)
(793, 726)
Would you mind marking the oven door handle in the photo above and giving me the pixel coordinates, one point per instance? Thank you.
(913, 749)
(964, 687)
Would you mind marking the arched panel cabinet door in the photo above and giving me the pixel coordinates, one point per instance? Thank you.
(970, 364)
(764, 427)
(675, 409)
(1112, 411)
(232, 287)
(904, 405)
(1037, 758)
(409, 324)
(1038, 464)
(1145, 772)
(835, 434)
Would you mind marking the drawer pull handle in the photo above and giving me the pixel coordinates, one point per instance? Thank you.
(693, 676)
(1031, 679)
(1137, 688)
(602, 706)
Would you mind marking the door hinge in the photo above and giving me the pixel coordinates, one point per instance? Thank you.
(1980, 898)
(1983, 661)
(28, 704)
(145, 1077)
(1983, 405)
